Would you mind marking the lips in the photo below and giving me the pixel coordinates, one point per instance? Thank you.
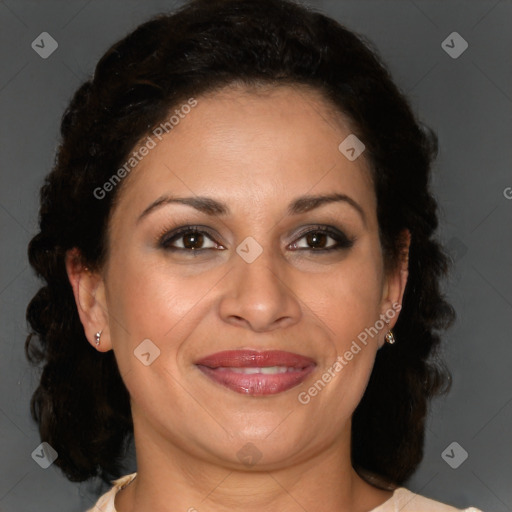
(257, 373)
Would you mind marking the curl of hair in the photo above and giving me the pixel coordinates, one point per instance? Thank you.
(81, 404)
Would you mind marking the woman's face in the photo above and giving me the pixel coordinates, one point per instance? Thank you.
(252, 279)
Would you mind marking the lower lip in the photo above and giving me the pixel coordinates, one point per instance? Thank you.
(257, 384)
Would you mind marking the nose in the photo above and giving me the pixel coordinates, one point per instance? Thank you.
(259, 295)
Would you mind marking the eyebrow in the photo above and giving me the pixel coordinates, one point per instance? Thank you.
(212, 207)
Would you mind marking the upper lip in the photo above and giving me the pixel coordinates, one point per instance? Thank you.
(255, 359)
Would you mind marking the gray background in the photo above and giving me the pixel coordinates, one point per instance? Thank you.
(467, 100)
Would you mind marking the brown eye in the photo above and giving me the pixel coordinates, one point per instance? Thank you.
(193, 240)
(188, 239)
(317, 240)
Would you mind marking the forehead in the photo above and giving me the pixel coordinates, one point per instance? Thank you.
(249, 147)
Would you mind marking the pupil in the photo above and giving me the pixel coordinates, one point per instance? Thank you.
(314, 238)
(194, 238)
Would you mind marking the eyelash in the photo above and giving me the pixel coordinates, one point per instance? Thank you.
(342, 241)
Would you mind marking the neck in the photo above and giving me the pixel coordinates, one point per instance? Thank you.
(169, 478)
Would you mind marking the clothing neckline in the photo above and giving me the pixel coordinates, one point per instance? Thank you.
(126, 480)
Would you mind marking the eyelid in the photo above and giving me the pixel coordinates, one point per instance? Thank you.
(325, 228)
(168, 234)
(342, 240)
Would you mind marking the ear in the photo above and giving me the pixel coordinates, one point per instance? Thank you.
(394, 286)
(89, 292)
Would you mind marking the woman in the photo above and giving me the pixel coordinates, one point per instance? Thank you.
(237, 229)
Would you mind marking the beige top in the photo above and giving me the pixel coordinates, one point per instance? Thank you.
(402, 500)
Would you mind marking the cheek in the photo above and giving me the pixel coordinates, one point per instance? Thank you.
(348, 299)
(348, 303)
(149, 301)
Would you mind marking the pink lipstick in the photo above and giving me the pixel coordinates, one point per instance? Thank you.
(257, 373)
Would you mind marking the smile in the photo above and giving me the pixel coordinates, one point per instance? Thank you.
(257, 373)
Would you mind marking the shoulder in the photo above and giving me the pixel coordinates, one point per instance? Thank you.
(105, 502)
(404, 500)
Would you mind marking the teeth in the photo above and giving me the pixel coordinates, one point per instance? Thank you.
(267, 370)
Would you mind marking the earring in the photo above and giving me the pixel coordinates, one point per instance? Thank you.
(390, 337)
(97, 337)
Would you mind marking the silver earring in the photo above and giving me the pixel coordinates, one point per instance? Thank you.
(97, 337)
(390, 337)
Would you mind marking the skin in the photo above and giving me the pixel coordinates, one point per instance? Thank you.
(256, 151)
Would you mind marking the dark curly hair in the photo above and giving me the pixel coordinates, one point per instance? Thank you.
(81, 404)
